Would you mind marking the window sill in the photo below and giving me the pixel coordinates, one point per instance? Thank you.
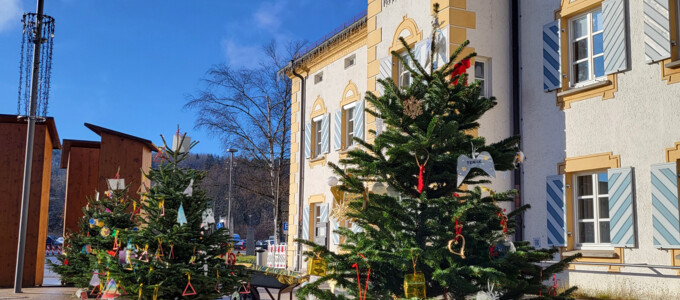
(673, 64)
(589, 87)
(593, 253)
(320, 160)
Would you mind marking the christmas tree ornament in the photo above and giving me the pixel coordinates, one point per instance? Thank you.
(161, 206)
(208, 218)
(96, 196)
(109, 193)
(189, 289)
(454, 241)
(181, 218)
(368, 275)
(86, 249)
(145, 254)
(190, 189)
(414, 283)
(116, 183)
(94, 281)
(181, 143)
(481, 161)
(105, 231)
(460, 68)
(92, 222)
(317, 266)
(413, 107)
(421, 179)
(519, 158)
(111, 290)
(155, 292)
(172, 251)
(501, 248)
(332, 283)
(111, 252)
(489, 294)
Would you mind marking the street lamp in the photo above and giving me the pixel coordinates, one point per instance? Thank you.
(231, 166)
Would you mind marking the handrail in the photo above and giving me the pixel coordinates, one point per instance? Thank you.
(334, 32)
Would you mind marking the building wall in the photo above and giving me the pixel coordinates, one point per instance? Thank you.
(130, 156)
(13, 149)
(82, 175)
(637, 124)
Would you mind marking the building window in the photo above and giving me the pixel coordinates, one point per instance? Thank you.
(350, 61)
(591, 206)
(586, 48)
(317, 220)
(483, 75)
(316, 136)
(404, 74)
(348, 130)
(318, 77)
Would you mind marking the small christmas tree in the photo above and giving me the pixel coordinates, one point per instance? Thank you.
(178, 254)
(438, 231)
(96, 247)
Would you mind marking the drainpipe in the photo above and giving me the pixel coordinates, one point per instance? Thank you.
(301, 200)
(516, 107)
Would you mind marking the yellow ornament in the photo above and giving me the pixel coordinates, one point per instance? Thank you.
(414, 285)
(317, 266)
(105, 231)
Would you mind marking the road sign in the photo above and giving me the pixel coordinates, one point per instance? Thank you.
(285, 225)
(219, 225)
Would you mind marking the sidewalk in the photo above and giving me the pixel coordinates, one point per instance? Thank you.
(52, 292)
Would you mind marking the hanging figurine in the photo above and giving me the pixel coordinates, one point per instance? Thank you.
(454, 241)
(188, 292)
(190, 189)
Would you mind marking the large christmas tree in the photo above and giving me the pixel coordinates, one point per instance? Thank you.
(178, 252)
(437, 224)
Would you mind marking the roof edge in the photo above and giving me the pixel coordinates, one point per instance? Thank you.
(99, 130)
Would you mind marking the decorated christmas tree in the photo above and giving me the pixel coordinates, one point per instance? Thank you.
(178, 253)
(94, 257)
(436, 230)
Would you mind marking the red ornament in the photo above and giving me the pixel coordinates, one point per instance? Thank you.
(456, 195)
(65, 262)
(459, 69)
(459, 231)
(112, 253)
(356, 266)
(421, 184)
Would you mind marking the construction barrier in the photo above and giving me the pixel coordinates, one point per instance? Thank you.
(276, 256)
(53, 250)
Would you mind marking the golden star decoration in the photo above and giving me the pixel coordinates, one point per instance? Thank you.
(413, 107)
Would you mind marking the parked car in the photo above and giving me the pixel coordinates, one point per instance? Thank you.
(237, 238)
(271, 240)
(263, 244)
(241, 245)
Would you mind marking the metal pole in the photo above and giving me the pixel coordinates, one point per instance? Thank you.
(231, 166)
(18, 274)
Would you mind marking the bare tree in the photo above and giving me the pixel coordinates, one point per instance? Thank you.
(250, 109)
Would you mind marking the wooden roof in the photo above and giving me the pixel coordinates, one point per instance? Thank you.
(49, 122)
(99, 130)
(66, 149)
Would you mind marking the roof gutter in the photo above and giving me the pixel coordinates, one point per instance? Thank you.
(301, 182)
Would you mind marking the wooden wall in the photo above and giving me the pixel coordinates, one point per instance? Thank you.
(12, 150)
(82, 180)
(130, 155)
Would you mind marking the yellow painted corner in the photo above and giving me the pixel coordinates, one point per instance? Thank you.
(319, 108)
(462, 18)
(673, 153)
(669, 75)
(408, 29)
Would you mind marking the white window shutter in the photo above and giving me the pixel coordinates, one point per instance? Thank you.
(657, 30)
(615, 36)
(557, 212)
(326, 134)
(337, 130)
(308, 140)
(665, 214)
(552, 79)
(621, 215)
(305, 223)
(385, 72)
(359, 120)
(422, 52)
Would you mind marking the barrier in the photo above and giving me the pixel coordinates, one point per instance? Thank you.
(276, 256)
(53, 250)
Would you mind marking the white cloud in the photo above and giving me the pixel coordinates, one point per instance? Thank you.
(10, 14)
(268, 15)
(239, 55)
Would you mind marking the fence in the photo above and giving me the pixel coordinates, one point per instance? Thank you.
(276, 256)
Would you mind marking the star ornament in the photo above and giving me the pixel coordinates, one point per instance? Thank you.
(413, 107)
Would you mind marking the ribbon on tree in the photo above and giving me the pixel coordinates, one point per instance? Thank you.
(217, 282)
(356, 266)
(421, 170)
(460, 68)
(193, 291)
(155, 292)
(172, 251)
(504, 221)
(161, 206)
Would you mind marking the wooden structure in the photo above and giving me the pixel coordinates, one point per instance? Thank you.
(81, 161)
(90, 163)
(13, 152)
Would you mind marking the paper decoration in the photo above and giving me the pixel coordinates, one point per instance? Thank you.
(207, 218)
(111, 290)
(188, 292)
(414, 285)
(116, 184)
(181, 218)
(145, 254)
(489, 294)
(317, 266)
(105, 231)
(482, 161)
(181, 143)
(94, 281)
(413, 107)
(190, 189)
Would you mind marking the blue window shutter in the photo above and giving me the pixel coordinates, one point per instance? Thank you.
(615, 36)
(308, 139)
(337, 130)
(359, 120)
(326, 134)
(621, 212)
(335, 235)
(385, 72)
(665, 214)
(305, 223)
(324, 212)
(552, 79)
(557, 213)
(657, 30)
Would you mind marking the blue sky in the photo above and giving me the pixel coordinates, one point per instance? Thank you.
(128, 65)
